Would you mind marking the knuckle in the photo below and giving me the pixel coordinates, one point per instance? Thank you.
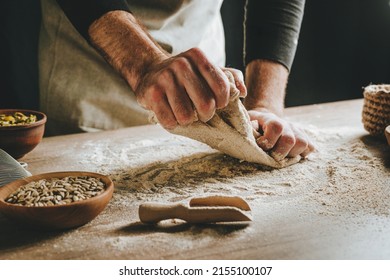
(207, 105)
(181, 64)
(207, 66)
(166, 75)
(197, 52)
(222, 97)
(185, 118)
(301, 142)
(224, 86)
(223, 100)
(155, 94)
(197, 56)
(222, 92)
(288, 140)
(206, 110)
(276, 126)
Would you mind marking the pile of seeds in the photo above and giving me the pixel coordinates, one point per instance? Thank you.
(54, 191)
(17, 118)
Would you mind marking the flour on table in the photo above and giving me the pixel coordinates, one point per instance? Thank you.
(231, 132)
(346, 174)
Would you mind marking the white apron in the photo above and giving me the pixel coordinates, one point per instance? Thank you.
(79, 91)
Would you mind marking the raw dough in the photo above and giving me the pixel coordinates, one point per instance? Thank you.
(231, 132)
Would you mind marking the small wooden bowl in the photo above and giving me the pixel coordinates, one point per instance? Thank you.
(18, 140)
(58, 216)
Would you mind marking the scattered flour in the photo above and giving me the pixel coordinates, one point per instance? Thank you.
(346, 174)
(348, 178)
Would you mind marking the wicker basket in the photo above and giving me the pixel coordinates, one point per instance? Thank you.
(376, 109)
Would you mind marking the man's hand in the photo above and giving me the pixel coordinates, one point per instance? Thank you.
(182, 88)
(281, 138)
(178, 89)
(266, 83)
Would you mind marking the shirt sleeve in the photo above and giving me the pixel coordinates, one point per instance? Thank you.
(272, 30)
(82, 13)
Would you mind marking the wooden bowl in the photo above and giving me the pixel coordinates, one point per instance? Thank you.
(18, 140)
(58, 216)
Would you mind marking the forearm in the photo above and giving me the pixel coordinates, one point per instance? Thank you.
(266, 81)
(272, 30)
(178, 89)
(266, 84)
(125, 45)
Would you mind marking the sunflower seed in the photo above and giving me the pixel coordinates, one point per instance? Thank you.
(49, 192)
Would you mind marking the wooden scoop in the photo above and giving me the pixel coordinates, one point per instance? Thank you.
(211, 209)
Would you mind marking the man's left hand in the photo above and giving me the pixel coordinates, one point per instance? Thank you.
(280, 137)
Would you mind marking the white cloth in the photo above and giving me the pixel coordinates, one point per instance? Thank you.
(79, 91)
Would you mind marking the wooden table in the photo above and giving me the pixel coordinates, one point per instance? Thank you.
(307, 211)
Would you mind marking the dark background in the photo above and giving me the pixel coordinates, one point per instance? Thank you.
(344, 45)
(19, 34)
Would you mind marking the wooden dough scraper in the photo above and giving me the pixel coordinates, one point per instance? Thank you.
(211, 209)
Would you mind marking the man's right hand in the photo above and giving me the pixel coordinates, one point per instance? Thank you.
(182, 88)
(178, 89)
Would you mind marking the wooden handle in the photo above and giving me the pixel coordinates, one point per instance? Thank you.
(219, 200)
(156, 212)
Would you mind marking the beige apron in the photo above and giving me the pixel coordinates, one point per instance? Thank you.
(79, 91)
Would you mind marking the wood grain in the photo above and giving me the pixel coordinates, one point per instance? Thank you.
(287, 226)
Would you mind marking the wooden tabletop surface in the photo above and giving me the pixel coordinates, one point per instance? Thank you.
(291, 221)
